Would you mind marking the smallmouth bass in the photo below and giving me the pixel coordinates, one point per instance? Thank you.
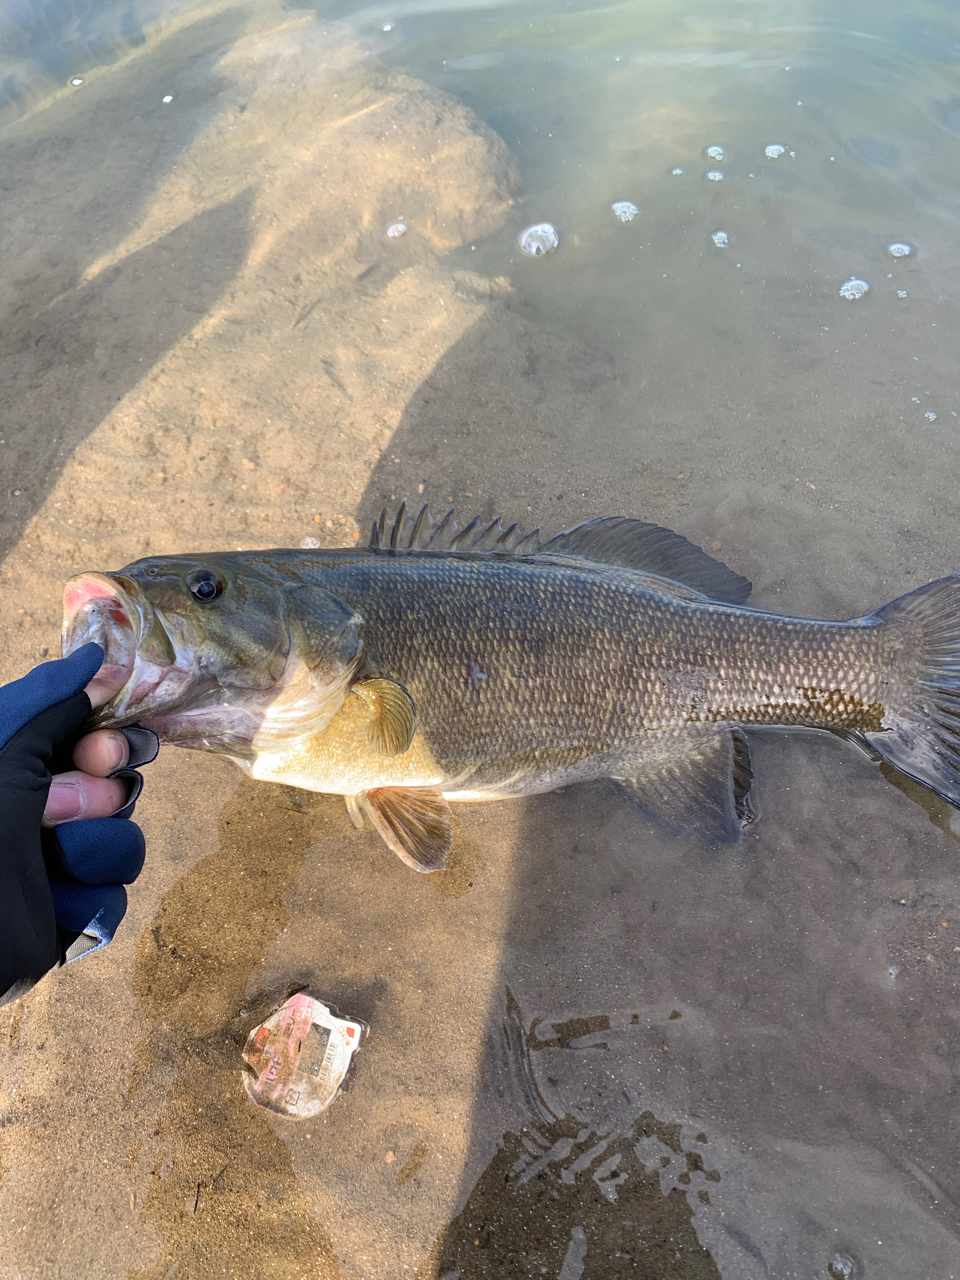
(446, 664)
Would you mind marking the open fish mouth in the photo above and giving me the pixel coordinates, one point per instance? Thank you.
(140, 656)
(96, 609)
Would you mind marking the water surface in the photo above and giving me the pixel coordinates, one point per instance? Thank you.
(596, 1050)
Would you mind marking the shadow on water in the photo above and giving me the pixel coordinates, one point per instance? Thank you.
(787, 1000)
(221, 1192)
(164, 289)
(70, 351)
(565, 1193)
(561, 1199)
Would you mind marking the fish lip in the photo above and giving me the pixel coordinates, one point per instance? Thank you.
(109, 610)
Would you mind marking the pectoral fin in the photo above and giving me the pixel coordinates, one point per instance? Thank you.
(413, 821)
(393, 717)
(701, 791)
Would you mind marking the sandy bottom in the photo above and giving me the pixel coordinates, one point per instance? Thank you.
(595, 1050)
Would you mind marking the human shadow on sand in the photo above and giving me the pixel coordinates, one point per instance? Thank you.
(66, 368)
(749, 994)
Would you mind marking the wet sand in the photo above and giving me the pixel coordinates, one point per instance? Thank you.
(211, 343)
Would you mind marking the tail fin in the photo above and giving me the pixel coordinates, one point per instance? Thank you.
(921, 734)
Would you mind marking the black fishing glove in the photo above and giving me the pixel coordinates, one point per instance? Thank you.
(61, 887)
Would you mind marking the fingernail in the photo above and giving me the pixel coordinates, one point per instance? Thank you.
(64, 801)
(119, 749)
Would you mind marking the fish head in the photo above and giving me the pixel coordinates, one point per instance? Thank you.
(217, 652)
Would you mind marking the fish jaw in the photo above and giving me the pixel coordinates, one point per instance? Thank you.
(150, 662)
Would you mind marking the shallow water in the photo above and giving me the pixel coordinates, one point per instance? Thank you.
(596, 1049)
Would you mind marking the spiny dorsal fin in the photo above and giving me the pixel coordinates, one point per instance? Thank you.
(633, 544)
(616, 540)
(426, 534)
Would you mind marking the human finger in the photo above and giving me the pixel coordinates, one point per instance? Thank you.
(109, 680)
(100, 752)
(79, 795)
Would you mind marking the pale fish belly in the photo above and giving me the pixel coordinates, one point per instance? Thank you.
(342, 761)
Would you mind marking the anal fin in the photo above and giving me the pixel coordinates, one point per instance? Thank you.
(414, 822)
(701, 789)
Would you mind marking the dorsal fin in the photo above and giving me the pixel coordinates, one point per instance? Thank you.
(633, 544)
(616, 540)
(426, 534)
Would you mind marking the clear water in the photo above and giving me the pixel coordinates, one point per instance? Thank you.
(596, 1050)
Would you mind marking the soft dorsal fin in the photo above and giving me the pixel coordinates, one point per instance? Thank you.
(633, 544)
(616, 540)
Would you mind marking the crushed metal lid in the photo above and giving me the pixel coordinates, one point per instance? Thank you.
(299, 1057)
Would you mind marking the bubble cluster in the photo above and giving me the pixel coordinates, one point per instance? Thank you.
(539, 239)
(853, 289)
(625, 210)
(396, 230)
(901, 293)
(721, 239)
(676, 171)
(774, 151)
(309, 544)
(930, 416)
(715, 153)
(713, 175)
(900, 249)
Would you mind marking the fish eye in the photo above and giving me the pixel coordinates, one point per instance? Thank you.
(205, 585)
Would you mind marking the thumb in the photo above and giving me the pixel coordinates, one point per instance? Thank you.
(44, 687)
(109, 680)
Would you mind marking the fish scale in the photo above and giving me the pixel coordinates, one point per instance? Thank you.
(575, 659)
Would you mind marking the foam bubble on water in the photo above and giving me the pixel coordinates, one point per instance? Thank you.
(388, 26)
(930, 416)
(675, 172)
(841, 1267)
(853, 289)
(721, 239)
(901, 293)
(915, 399)
(715, 153)
(713, 175)
(76, 80)
(774, 151)
(539, 239)
(167, 99)
(309, 544)
(625, 210)
(396, 230)
(900, 249)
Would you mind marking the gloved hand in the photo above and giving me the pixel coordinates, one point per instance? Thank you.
(63, 861)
